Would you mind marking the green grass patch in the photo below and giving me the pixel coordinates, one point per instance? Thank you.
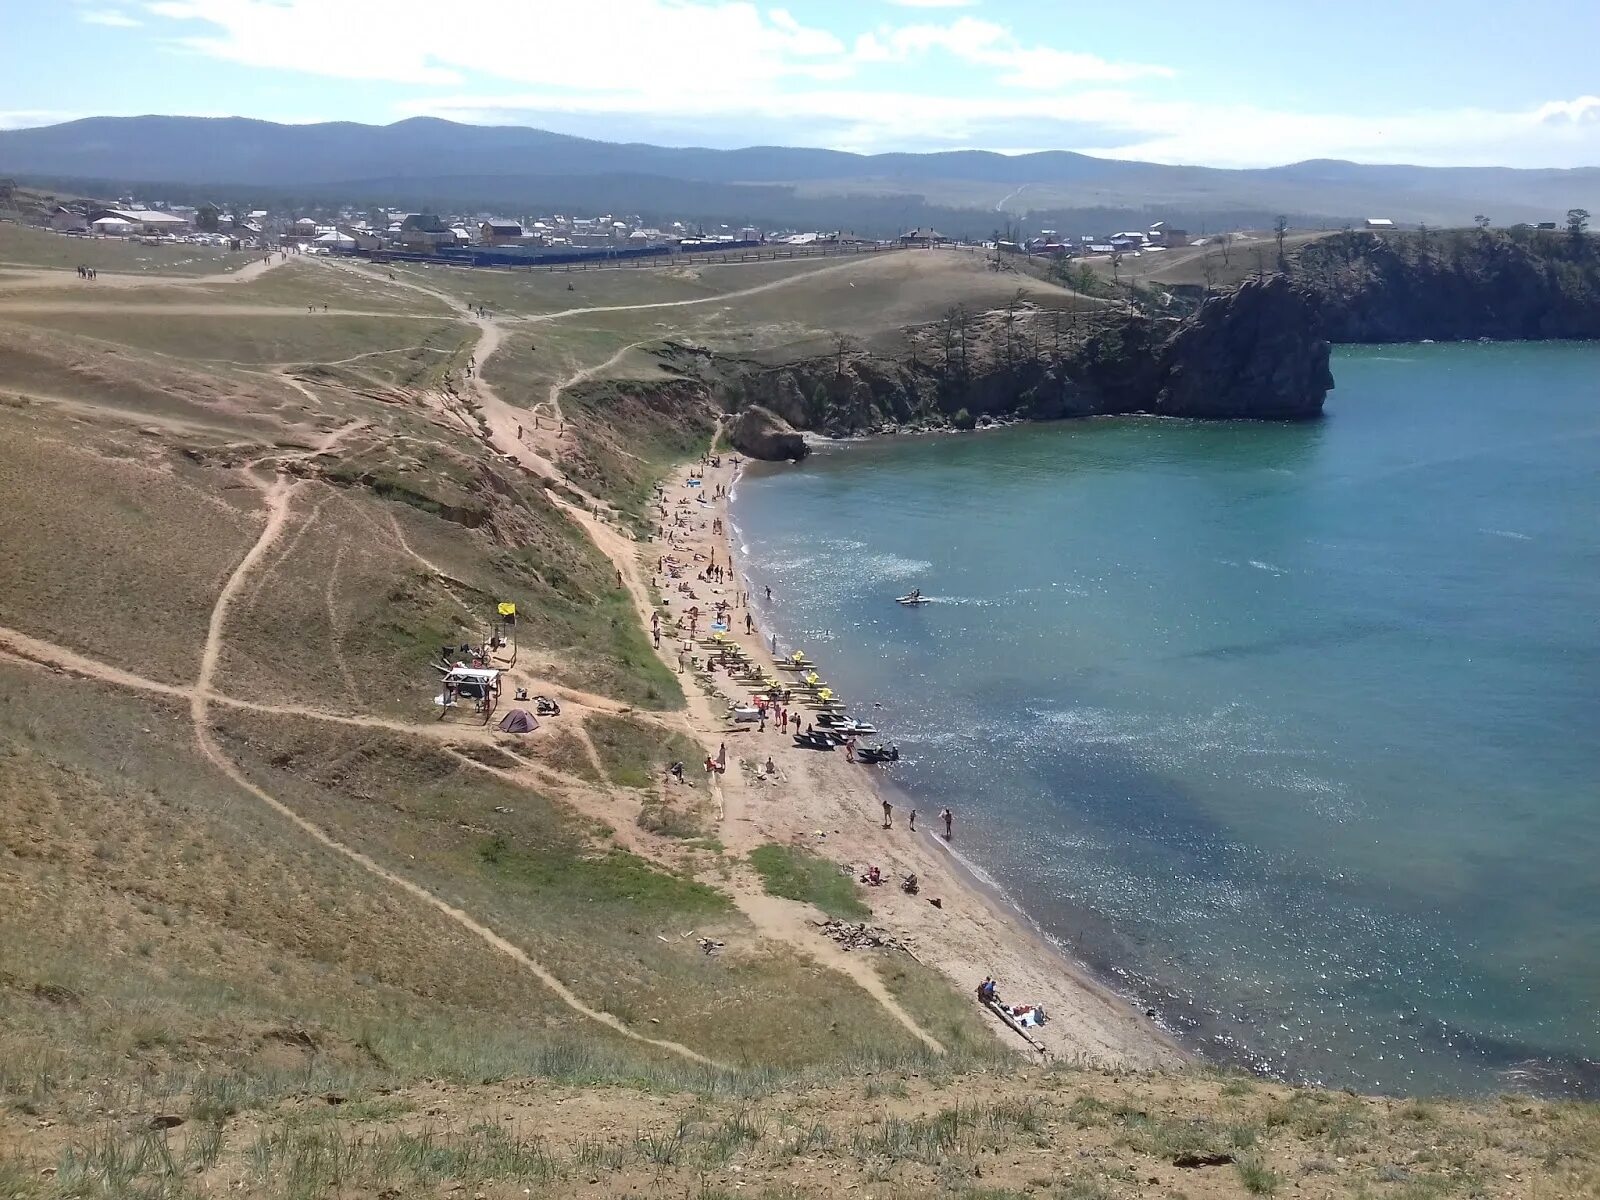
(634, 753)
(796, 874)
(629, 434)
(612, 877)
(951, 1016)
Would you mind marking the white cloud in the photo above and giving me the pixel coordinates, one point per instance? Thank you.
(725, 46)
(29, 118)
(1111, 123)
(734, 72)
(111, 17)
(934, 3)
(987, 44)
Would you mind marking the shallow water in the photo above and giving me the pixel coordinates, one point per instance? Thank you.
(1289, 730)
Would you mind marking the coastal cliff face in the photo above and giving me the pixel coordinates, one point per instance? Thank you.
(1257, 353)
(1453, 284)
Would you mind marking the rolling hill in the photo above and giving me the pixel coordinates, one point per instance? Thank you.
(430, 161)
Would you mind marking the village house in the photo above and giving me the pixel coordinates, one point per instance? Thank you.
(923, 238)
(500, 233)
(136, 221)
(425, 232)
(67, 220)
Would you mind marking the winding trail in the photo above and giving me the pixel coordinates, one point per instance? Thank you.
(279, 494)
(772, 920)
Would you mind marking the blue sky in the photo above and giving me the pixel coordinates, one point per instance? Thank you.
(1230, 83)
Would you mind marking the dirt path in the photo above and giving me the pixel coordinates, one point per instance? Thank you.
(40, 277)
(109, 307)
(969, 942)
(278, 495)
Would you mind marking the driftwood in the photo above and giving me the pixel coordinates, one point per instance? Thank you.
(860, 936)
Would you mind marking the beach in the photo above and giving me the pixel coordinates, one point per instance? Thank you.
(832, 807)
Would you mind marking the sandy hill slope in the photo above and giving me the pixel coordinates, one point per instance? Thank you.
(273, 927)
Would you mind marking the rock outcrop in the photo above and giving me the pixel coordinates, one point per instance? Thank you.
(1450, 285)
(1257, 352)
(762, 433)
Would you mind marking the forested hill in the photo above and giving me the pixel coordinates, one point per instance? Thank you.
(1452, 284)
(428, 161)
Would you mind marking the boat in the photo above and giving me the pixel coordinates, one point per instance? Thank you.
(914, 600)
(877, 754)
(839, 723)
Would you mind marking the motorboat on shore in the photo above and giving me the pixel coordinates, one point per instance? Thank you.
(877, 754)
(847, 726)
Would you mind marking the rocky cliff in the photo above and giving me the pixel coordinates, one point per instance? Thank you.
(1449, 285)
(1257, 352)
(761, 433)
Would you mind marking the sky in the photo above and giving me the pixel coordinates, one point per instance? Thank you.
(1226, 83)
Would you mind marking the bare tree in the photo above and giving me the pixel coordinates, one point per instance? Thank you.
(843, 345)
(1481, 221)
(1208, 271)
(1012, 305)
(1280, 230)
(1225, 240)
(1116, 266)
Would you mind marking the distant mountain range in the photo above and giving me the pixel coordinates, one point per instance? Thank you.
(511, 169)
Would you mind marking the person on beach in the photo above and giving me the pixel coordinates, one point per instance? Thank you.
(913, 820)
(888, 814)
(987, 991)
(772, 767)
(850, 756)
(769, 593)
(947, 817)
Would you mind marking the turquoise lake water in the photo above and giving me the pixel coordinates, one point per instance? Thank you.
(1292, 732)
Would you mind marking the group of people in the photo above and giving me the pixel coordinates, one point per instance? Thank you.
(87, 273)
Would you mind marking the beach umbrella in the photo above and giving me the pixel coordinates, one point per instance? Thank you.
(717, 637)
(826, 693)
(798, 656)
(811, 676)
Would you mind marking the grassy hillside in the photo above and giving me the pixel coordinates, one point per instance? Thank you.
(277, 925)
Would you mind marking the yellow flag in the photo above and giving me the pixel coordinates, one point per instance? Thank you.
(507, 609)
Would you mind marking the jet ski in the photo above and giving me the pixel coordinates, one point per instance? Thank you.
(914, 600)
(877, 754)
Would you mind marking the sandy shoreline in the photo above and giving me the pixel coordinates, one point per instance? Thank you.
(833, 807)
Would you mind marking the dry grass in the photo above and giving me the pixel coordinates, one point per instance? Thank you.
(171, 946)
(248, 336)
(23, 246)
(1058, 1135)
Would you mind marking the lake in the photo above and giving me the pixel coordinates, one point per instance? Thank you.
(1291, 732)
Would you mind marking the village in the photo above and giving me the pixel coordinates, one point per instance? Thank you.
(485, 239)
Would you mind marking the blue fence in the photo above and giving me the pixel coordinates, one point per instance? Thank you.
(504, 257)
